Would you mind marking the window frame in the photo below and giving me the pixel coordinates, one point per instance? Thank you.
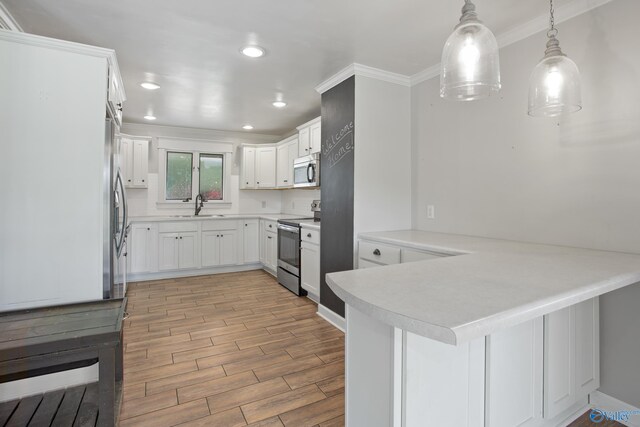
(195, 148)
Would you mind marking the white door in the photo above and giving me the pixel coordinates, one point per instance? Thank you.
(228, 247)
(514, 376)
(559, 354)
(587, 347)
(251, 243)
(282, 165)
(168, 251)
(140, 162)
(304, 141)
(142, 248)
(188, 253)
(310, 267)
(271, 250)
(266, 167)
(293, 155)
(210, 248)
(248, 178)
(315, 137)
(126, 155)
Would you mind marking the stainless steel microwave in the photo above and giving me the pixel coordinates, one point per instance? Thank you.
(306, 171)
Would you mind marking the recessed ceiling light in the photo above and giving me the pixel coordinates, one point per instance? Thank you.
(279, 104)
(247, 127)
(149, 117)
(252, 51)
(150, 85)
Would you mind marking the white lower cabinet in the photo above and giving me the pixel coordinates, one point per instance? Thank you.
(219, 248)
(310, 261)
(178, 247)
(251, 241)
(143, 248)
(271, 250)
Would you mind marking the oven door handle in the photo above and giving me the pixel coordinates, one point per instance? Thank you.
(288, 228)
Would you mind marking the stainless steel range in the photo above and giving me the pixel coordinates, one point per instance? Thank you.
(289, 250)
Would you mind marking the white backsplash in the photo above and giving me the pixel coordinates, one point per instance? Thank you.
(298, 202)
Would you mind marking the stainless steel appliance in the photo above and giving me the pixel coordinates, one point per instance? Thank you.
(306, 171)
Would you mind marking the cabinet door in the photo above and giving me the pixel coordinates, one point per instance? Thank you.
(514, 376)
(315, 137)
(282, 165)
(293, 155)
(140, 162)
(228, 247)
(188, 250)
(587, 347)
(251, 243)
(210, 248)
(266, 167)
(142, 247)
(310, 267)
(271, 252)
(248, 178)
(304, 141)
(559, 354)
(126, 156)
(168, 251)
(263, 243)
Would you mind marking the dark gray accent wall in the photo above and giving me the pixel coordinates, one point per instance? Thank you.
(336, 179)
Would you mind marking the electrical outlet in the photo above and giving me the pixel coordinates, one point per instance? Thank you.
(431, 212)
(264, 204)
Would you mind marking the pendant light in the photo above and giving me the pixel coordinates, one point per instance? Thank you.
(554, 86)
(470, 67)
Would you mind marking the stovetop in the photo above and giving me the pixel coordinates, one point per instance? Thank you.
(297, 221)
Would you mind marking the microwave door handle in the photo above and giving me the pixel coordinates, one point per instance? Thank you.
(312, 167)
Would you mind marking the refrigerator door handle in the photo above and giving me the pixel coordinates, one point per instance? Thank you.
(120, 230)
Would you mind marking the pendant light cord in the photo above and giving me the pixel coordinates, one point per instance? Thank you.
(553, 32)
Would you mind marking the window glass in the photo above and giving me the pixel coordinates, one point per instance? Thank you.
(179, 173)
(211, 166)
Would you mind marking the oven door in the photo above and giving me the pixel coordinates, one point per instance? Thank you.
(289, 248)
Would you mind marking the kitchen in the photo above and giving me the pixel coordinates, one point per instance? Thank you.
(528, 192)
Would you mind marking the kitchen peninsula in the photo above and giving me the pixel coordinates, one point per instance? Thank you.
(482, 332)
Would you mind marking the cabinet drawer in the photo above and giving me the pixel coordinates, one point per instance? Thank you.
(309, 235)
(270, 225)
(219, 224)
(409, 255)
(177, 227)
(382, 254)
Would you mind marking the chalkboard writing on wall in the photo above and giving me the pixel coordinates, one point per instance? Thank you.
(336, 233)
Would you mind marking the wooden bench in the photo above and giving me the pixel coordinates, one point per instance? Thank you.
(45, 340)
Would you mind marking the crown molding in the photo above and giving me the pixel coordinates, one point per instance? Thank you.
(356, 69)
(521, 32)
(7, 21)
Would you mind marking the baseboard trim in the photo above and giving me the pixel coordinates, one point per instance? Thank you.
(331, 317)
(190, 273)
(608, 403)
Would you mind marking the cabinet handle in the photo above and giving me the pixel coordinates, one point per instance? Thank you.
(270, 226)
(247, 182)
(180, 237)
(376, 252)
(128, 180)
(268, 237)
(217, 235)
(246, 225)
(176, 237)
(143, 180)
(286, 180)
(258, 182)
(148, 229)
(308, 234)
(222, 235)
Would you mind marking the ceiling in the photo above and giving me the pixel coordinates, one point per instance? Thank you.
(191, 48)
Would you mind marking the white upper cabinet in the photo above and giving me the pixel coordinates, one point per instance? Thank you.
(287, 152)
(248, 174)
(134, 161)
(266, 167)
(309, 137)
(115, 94)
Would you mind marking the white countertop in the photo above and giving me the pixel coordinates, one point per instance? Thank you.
(311, 225)
(204, 217)
(488, 285)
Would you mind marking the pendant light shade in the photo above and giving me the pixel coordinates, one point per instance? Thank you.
(554, 85)
(470, 67)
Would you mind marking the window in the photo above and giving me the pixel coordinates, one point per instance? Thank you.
(179, 175)
(188, 167)
(211, 171)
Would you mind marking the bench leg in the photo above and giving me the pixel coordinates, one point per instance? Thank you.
(106, 386)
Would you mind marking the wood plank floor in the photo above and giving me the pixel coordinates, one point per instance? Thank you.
(229, 350)
(585, 421)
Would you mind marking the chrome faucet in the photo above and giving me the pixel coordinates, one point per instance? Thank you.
(202, 200)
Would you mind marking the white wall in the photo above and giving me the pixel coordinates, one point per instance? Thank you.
(298, 202)
(142, 202)
(382, 177)
(490, 170)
